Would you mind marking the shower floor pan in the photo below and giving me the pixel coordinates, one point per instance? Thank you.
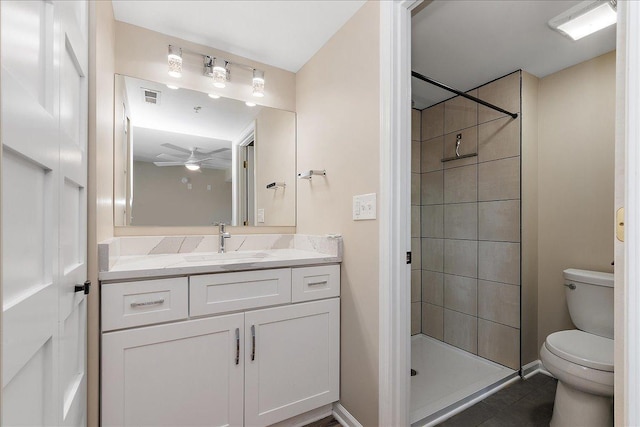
(447, 376)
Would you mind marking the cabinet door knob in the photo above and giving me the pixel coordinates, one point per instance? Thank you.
(237, 346)
(85, 287)
(253, 342)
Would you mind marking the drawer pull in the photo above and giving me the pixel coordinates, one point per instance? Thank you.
(324, 282)
(237, 346)
(253, 342)
(143, 304)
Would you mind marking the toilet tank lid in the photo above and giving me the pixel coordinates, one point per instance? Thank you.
(591, 277)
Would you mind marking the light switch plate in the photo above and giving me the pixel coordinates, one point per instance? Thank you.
(261, 216)
(364, 207)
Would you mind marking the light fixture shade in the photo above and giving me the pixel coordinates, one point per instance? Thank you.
(258, 83)
(585, 18)
(174, 59)
(219, 73)
(192, 166)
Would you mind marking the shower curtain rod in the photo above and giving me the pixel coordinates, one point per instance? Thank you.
(464, 95)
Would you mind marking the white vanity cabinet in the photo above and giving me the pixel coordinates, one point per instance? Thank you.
(178, 374)
(253, 367)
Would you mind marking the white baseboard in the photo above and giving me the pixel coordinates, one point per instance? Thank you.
(306, 418)
(344, 417)
(535, 367)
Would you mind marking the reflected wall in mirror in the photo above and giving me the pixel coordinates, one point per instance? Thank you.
(183, 158)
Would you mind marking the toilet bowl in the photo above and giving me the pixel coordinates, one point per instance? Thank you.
(582, 359)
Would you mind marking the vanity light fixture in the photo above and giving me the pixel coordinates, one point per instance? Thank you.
(585, 18)
(220, 72)
(258, 83)
(250, 104)
(217, 68)
(192, 166)
(174, 59)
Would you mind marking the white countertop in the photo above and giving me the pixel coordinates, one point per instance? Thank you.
(182, 264)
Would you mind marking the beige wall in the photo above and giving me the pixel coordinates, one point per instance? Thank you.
(100, 186)
(576, 163)
(338, 106)
(161, 199)
(529, 212)
(275, 146)
(142, 53)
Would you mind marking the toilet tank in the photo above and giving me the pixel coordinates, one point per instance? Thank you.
(590, 300)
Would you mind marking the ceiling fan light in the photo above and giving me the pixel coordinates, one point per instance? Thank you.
(192, 166)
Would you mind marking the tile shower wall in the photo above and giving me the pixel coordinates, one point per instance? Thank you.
(470, 223)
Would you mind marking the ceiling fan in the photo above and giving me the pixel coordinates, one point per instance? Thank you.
(192, 162)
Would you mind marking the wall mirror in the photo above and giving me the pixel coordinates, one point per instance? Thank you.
(182, 158)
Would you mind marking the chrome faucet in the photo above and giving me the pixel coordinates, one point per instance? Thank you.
(223, 235)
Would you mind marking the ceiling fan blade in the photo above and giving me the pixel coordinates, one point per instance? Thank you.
(203, 160)
(168, 163)
(175, 147)
(171, 157)
(213, 152)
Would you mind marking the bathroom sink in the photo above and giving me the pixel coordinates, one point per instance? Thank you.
(224, 256)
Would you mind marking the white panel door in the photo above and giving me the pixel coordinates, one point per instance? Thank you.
(292, 360)
(180, 374)
(43, 334)
(72, 182)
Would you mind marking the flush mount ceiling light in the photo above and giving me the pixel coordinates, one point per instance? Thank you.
(585, 18)
(174, 59)
(258, 83)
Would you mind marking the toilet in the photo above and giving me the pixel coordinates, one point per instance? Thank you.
(582, 359)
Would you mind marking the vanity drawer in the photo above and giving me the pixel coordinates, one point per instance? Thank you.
(144, 302)
(226, 292)
(310, 283)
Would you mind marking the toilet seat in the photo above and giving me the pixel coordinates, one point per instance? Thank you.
(582, 348)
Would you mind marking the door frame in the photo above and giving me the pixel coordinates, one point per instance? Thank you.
(394, 306)
(627, 292)
(394, 350)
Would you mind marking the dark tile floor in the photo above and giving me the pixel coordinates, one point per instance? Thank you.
(526, 403)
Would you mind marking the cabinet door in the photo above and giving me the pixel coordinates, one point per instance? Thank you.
(291, 360)
(182, 374)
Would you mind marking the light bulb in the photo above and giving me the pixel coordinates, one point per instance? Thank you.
(174, 59)
(192, 166)
(258, 83)
(219, 73)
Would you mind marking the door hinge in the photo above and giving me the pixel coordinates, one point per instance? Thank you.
(244, 164)
(409, 257)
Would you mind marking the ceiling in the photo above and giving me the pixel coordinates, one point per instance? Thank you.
(284, 34)
(465, 44)
(176, 119)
